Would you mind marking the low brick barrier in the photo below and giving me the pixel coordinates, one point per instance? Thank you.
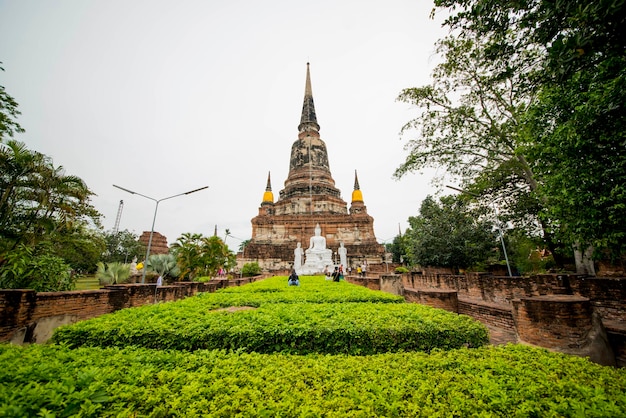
(372, 283)
(29, 316)
(571, 313)
(442, 299)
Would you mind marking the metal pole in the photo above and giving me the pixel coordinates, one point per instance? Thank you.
(495, 210)
(145, 264)
(156, 208)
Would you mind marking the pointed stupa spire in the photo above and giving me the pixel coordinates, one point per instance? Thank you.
(308, 120)
(268, 196)
(357, 196)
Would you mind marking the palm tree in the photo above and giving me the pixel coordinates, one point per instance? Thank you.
(113, 273)
(36, 197)
(187, 250)
(18, 177)
(164, 265)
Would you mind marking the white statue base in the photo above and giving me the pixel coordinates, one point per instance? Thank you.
(316, 262)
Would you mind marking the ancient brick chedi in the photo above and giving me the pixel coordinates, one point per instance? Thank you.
(310, 198)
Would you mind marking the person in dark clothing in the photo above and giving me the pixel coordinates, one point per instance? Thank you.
(294, 280)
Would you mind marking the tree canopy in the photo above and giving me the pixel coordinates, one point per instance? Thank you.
(527, 108)
(447, 234)
(202, 256)
(48, 227)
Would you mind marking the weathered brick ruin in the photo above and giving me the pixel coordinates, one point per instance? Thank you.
(309, 198)
(159, 242)
(27, 316)
(570, 313)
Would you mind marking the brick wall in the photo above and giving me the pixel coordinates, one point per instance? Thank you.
(442, 299)
(555, 311)
(22, 310)
(372, 283)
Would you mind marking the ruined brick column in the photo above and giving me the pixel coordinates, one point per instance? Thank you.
(563, 323)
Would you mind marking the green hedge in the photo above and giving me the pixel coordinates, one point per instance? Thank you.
(349, 328)
(312, 289)
(510, 381)
(294, 319)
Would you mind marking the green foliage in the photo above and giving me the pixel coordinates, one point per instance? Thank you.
(507, 381)
(23, 268)
(349, 328)
(401, 270)
(566, 61)
(582, 160)
(37, 198)
(251, 269)
(528, 254)
(447, 234)
(243, 244)
(8, 115)
(122, 247)
(319, 316)
(79, 246)
(397, 249)
(202, 256)
(46, 210)
(164, 265)
(112, 273)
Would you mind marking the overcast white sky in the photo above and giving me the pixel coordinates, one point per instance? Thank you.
(164, 96)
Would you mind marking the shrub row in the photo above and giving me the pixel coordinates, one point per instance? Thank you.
(312, 289)
(348, 328)
(510, 381)
(291, 319)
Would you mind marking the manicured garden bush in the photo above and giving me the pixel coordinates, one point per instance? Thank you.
(509, 381)
(312, 289)
(350, 328)
(269, 316)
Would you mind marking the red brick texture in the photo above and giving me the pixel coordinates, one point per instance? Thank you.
(565, 312)
(20, 310)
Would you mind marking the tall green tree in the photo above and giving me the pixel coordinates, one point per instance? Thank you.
(202, 256)
(470, 122)
(217, 255)
(122, 246)
(8, 115)
(188, 251)
(81, 246)
(566, 59)
(37, 198)
(48, 227)
(448, 234)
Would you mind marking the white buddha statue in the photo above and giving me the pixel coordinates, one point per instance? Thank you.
(317, 243)
(317, 255)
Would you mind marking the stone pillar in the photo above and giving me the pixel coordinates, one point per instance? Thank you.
(392, 283)
(563, 323)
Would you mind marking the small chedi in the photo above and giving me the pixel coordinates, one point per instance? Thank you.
(158, 244)
(310, 201)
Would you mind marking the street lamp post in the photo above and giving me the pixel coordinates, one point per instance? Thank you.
(506, 257)
(156, 208)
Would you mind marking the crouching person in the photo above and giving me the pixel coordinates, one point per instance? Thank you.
(294, 280)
